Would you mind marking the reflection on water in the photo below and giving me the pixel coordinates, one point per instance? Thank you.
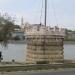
(69, 51)
(14, 51)
(18, 52)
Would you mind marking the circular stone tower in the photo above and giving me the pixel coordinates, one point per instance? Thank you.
(45, 45)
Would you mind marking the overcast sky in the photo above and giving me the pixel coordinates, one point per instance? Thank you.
(61, 12)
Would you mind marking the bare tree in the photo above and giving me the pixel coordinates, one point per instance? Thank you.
(6, 27)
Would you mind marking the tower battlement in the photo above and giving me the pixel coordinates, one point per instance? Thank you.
(42, 30)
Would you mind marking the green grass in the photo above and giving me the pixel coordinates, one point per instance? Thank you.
(34, 67)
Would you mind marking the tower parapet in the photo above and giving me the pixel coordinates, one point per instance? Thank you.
(45, 31)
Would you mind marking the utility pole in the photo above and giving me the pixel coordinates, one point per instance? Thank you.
(45, 12)
(44, 43)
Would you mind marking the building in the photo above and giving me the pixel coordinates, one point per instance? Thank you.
(17, 34)
(44, 45)
(69, 35)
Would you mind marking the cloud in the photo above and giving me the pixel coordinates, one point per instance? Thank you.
(31, 11)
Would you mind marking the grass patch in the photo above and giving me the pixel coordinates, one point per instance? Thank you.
(34, 67)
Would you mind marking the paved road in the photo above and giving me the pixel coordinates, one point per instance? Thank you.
(44, 73)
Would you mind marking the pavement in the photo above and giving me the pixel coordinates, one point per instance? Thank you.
(39, 73)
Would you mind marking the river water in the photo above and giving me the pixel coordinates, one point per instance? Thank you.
(18, 52)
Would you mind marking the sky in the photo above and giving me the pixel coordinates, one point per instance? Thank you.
(59, 12)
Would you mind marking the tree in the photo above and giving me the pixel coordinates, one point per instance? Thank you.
(6, 27)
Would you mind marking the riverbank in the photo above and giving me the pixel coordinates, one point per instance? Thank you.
(69, 42)
(17, 42)
(24, 42)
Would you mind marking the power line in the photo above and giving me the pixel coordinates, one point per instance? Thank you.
(54, 12)
(41, 13)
